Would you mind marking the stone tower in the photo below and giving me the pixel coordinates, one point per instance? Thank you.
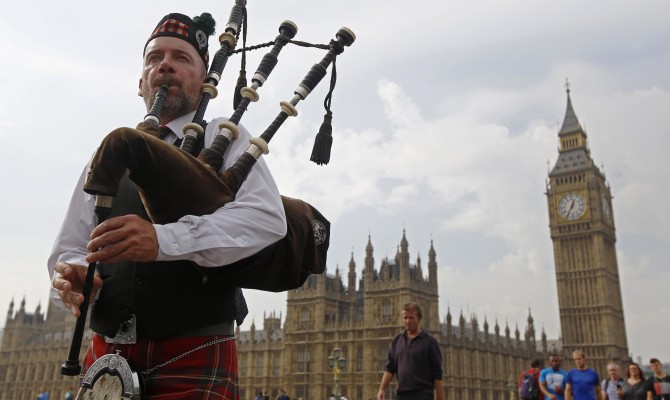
(581, 221)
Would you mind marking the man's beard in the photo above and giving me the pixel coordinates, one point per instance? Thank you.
(175, 105)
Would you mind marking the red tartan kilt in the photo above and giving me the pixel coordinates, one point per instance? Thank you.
(209, 373)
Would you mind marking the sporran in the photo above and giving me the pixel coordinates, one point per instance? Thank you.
(110, 378)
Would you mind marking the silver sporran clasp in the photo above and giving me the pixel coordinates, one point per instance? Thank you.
(110, 377)
(126, 334)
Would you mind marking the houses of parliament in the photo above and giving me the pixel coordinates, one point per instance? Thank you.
(361, 314)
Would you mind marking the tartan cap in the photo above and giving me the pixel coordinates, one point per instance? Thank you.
(195, 31)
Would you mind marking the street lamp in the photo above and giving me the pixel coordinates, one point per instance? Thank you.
(512, 390)
(336, 363)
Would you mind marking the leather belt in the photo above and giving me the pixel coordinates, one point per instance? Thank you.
(126, 333)
(225, 328)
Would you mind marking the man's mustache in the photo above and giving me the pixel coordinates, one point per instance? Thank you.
(163, 80)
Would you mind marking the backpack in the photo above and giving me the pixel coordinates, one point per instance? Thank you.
(529, 389)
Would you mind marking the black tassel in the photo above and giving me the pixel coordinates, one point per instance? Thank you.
(241, 83)
(323, 141)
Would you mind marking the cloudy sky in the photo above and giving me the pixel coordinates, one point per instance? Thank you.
(446, 121)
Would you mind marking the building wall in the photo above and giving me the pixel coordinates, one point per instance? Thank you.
(32, 350)
(360, 318)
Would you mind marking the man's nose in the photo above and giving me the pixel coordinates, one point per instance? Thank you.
(166, 66)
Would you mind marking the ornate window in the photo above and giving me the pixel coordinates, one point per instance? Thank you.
(276, 364)
(305, 316)
(359, 361)
(383, 355)
(244, 365)
(303, 360)
(259, 365)
(301, 391)
(387, 310)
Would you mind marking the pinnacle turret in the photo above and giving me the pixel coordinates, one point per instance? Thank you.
(570, 122)
(574, 153)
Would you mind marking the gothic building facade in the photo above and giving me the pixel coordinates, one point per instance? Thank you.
(33, 347)
(581, 221)
(360, 318)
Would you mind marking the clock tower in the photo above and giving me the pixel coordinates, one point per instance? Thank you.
(583, 234)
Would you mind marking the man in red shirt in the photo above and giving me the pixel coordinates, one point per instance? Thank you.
(530, 390)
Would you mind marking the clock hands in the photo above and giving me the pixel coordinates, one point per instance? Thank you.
(572, 205)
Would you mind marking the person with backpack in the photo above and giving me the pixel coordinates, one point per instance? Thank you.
(612, 384)
(529, 385)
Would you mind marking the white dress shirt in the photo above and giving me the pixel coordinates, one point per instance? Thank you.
(254, 220)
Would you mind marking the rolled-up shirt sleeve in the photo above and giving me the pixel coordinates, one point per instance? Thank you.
(74, 234)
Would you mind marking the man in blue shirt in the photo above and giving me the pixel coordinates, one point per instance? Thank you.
(43, 394)
(582, 382)
(553, 379)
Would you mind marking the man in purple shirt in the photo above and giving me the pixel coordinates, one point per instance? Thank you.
(415, 359)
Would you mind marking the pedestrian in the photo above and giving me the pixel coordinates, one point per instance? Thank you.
(612, 384)
(42, 393)
(633, 387)
(658, 385)
(419, 371)
(552, 380)
(282, 395)
(582, 382)
(528, 384)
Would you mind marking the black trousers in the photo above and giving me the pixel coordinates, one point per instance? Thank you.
(415, 396)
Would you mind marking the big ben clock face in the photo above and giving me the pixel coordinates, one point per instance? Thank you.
(572, 206)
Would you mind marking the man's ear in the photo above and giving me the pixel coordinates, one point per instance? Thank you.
(139, 89)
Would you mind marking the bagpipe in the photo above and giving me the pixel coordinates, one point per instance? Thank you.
(142, 155)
